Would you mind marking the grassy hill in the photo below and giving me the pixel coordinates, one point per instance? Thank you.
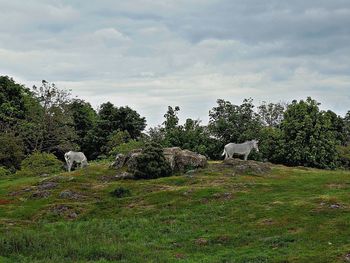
(212, 215)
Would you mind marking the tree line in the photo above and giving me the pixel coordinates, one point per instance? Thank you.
(47, 119)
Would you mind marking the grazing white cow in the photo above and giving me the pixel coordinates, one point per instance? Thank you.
(77, 157)
(240, 149)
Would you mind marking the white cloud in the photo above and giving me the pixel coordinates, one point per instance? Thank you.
(153, 53)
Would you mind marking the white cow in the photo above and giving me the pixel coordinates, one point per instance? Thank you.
(77, 157)
(240, 149)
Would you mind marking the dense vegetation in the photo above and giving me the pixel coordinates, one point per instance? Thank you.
(46, 119)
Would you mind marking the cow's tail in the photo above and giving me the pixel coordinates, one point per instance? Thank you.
(223, 152)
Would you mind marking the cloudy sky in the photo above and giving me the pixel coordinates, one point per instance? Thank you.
(152, 53)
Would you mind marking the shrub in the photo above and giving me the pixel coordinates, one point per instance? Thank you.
(120, 192)
(151, 163)
(4, 172)
(11, 151)
(40, 163)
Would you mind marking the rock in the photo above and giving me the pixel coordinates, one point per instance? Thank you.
(47, 185)
(40, 194)
(65, 211)
(170, 155)
(179, 160)
(68, 194)
(44, 175)
(247, 167)
(335, 206)
(347, 257)
(73, 215)
(187, 159)
(119, 161)
(124, 175)
(131, 159)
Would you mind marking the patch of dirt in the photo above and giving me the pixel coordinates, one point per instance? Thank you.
(247, 167)
(201, 241)
(180, 256)
(266, 222)
(5, 202)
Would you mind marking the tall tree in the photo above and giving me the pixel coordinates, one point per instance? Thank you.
(271, 114)
(234, 123)
(308, 134)
(54, 129)
(112, 119)
(12, 103)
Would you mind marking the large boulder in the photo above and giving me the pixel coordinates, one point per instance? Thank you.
(186, 159)
(119, 161)
(248, 167)
(179, 160)
(170, 155)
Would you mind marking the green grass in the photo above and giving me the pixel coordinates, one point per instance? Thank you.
(288, 215)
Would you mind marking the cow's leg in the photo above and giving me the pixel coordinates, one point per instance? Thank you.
(69, 165)
(245, 156)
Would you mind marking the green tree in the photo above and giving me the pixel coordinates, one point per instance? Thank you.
(171, 118)
(234, 123)
(54, 129)
(12, 103)
(271, 114)
(346, 121)
(309, 138)
(11, 151)
(84, 120)
(110, 120)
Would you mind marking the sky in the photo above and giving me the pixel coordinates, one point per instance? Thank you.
(149, 54)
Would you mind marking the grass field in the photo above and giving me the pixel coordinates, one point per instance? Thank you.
(213, 215)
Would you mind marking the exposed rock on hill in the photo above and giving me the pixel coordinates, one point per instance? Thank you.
(179, 160)
(247, 167)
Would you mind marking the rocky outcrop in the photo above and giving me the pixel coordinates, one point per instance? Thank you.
(179, 160)
(119, 161)
(247, 167)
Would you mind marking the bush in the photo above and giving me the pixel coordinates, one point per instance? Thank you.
(151, 163)
(120, 192)
(4, 172)
(11, 151)
(344, 156)
(40, 163)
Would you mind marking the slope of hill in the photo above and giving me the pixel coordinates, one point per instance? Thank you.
(211, 215)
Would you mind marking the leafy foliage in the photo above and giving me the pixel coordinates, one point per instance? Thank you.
(271, 114)
(234, 123)
(344, 156)
(11, 151)
(112, 119)
(84, 120)
(308, 136)
(4, 172)
(40, 163)
(127, 147)
(12, 102)
(151, 163)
